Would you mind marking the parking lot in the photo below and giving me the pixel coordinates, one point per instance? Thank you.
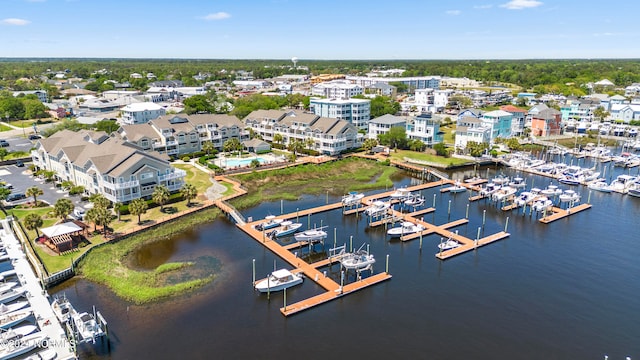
(21, 179)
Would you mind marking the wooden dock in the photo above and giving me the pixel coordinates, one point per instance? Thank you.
(559, 213)
(469, 244)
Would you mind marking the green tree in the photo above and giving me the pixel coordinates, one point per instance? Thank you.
(232, 145)
(138, 207)
(395, 138)
(3, 153)
(99, 200)
(295, 146)
(208, 147)
(34, 109)
(107, 126)
(116, 208)
(277, 138)
(381, 105)
(198, 104)
(11, 108)
(309, 143)
(600, 113)
(103, 217)
(441, 149)
(33, 222)
(160, 196)
(35, 192)
(62, 208)
(189, 192)
(513, 144)
(476, 149)
(92, 217)
(369, 144)
(417, 145)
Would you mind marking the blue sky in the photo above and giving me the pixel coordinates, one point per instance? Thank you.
(329, 29)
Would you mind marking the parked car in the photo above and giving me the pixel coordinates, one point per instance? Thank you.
(34, 137)
(4, 143)
(6, 185)
(16, 196)
(19, 163)
(78, 213)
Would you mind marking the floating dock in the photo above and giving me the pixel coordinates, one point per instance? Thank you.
(558, 213)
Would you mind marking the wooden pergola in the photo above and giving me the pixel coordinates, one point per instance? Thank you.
(63, 237)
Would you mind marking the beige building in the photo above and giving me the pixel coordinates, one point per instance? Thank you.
(105, 165)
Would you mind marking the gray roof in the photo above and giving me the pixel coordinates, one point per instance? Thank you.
(139, 131)
(266, 114)
(222, 120)
(388, 119)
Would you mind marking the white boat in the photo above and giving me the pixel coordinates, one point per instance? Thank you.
(270, 223)
(62, 308)
(16, 333)
(312, 235)
(474, 179)
(9, 308)
(457, 188)
(352, 198)
(278, 281)
(518, 183)
(542, 204)
(622, 183)
(4, 287)
(415, 201)
(569, 180)
(405, 228)
(400, 194)
(448, 244)
(6, 274)
(24, 345)
(634, 190)
(601, 186)
(13, 318)
(286, 228)
(377, 208)
(12, 295)
(45, 354)
(358, 260)
(524, 198)
(500, 179)
(87, 326)
(551, 190)
(489, 189)
(569, 196)
(503, 193)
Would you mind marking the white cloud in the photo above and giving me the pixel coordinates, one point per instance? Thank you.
(217, 16)
(488, 6)
(521, 4)
(15, 22)
(453, 12)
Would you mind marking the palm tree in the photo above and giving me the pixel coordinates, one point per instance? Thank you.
(160, 196)
(35, 192)
(3, 153)
(117, 207)
(277, 138)
(138, 207)
(103, 215)
(62, 208)
(33, 222)
(92, 217)
(4, 193)
(208, 147)
(232, 144)
(295, 146)
(309, 142)
(189, 192)
(369, 144)
(99, 200)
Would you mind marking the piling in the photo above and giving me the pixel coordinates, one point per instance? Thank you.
(351, 243)
(466, 215)
(484, 217)
(281, 206)
(387, 265)
(589, 198)
(434, 201)
(254, 273)
(285, 298)
(506, 224)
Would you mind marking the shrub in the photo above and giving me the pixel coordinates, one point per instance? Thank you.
(186, 158)
(263, 152)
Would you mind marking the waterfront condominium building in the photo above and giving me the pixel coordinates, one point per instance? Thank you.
(337, 89)
(354, 111)
(382, 124)
(112, 167)
(330, 136)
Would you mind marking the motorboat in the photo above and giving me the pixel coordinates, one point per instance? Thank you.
(6, 274)
(357, 260)
(24, 345)
(9, 308)
(569, 180)
(503, 193)
(352, 198)
(44, 354)
(377, 208)
(457, 188)
(4, 287)
(16, 333)
(312, 235)
(12, 294)
(541, 204)
(13, 318)
(87, 326)
(551, 190)
(286, 228)
(601, 186)
(270, 223)
(634, 190)
(448, 244)
(524, 198)
(622, 183)
(633, 132)
(569, 196)
(405, 228)
(415, 201)
(279, 280)
(473, 180)
(518, 182)
(400, 194)
(489, 189)
(62, 308)
(500, 179)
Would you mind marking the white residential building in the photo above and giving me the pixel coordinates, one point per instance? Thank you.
(354, 111)
(382, 125)
(140, 113)
(625, 112)
(471, 129)
(104, 165)
(413, 82)
(330, 136)
(337, 89)
(41, 94)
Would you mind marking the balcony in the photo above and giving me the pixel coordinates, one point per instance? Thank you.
(158, 144)
(122, 185)
(121, 198)
(172, 142)
(177, 174)
(172, 151)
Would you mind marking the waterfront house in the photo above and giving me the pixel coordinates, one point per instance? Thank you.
(140, 113)
(499, 122)
(518, 119)
(382, 125)
(470, 128)
(546, 123)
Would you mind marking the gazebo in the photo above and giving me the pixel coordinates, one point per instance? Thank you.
(61, 237)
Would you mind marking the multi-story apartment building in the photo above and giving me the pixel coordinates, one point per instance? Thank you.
(518, 119)
(141, 113)
(355, 111)
(330, 136)
(176, 135)
(105, 165)
(499, 122)
(413, 82)
(337, 89)
(473, 129)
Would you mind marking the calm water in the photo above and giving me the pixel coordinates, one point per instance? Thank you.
(568, 290)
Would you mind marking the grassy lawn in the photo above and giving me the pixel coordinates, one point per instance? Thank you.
(449, 136)
(108, 264)
(200, 179)
(17, 155)
(401, 154)
(4, 127)
(337, 178)
(584, 140)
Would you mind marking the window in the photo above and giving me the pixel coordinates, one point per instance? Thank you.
(147, 175)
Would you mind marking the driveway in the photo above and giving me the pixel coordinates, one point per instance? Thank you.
(21, 179)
